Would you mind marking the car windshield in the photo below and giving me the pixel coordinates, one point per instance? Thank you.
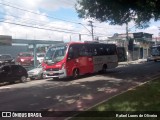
(55, 54)
(3, 57)
(25, 55)
(40, 55)
(39, 66)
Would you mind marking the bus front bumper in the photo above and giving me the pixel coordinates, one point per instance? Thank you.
(55, 74)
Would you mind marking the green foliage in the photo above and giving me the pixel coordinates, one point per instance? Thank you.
(120, 11)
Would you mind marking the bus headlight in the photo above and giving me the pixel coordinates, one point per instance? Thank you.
(63, 66)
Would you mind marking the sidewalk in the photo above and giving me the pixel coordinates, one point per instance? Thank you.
(132, 62)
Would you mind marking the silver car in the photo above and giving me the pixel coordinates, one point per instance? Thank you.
(36, 73)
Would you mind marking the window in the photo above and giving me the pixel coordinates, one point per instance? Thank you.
(40, 55)
(15, 68)
(83, 51)
(55, 54)
(110, 49)
(73, 51)
(4, 57)
(6, 69)
(25, 54)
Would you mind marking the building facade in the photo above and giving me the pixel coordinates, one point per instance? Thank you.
(137, 45)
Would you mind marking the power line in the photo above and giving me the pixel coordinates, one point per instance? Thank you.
(17, 7)
(42, 24)
(107, 27)
(38, 23)
(68, 2)
(46, 28)
(43, 28)
(37, 13)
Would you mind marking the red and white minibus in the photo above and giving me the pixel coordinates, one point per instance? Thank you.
(78, 58)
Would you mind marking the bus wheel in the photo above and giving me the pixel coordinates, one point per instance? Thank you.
(75, 73)
(104, 69)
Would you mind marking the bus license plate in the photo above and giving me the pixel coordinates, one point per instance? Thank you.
(50, 73)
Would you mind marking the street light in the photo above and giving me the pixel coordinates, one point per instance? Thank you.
(88, 30)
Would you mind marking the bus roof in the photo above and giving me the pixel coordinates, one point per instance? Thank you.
(70, 43)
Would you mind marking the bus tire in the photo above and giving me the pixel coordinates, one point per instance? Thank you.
(75, 73)
(104, 68)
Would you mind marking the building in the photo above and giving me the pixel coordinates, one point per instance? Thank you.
(137, 45)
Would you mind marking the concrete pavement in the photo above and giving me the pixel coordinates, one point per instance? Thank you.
(132, 62)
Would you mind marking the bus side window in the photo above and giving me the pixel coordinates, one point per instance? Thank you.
(101, 51)
(83, 51)
(95, 52)
(107, 51)
(70, 53)
(73, 52)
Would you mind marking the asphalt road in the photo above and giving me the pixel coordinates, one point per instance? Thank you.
(71, 95)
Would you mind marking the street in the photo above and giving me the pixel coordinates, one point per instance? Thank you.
(72, 95)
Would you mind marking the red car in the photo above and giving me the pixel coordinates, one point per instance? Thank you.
(25, 58)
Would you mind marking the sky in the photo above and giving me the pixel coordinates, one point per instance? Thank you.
(55, 20)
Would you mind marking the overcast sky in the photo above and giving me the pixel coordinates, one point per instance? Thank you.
(54, 20)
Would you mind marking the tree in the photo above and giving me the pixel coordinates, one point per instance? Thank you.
(120, 11)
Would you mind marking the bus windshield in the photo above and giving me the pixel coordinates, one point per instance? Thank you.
(55, 54)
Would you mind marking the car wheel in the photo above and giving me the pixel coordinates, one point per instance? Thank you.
(104, 69)
(75, 73)
(23, 79)
(40, 76)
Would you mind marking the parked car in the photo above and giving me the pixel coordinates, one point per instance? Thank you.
(25, 58)
(40, 57)
(12, 73)
(36, 73)
(6, 59)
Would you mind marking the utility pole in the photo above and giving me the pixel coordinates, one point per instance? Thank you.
(158, 34)
(79, 37)
(127, 31)
(70, 38)
(91, 24)
(127, 40)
